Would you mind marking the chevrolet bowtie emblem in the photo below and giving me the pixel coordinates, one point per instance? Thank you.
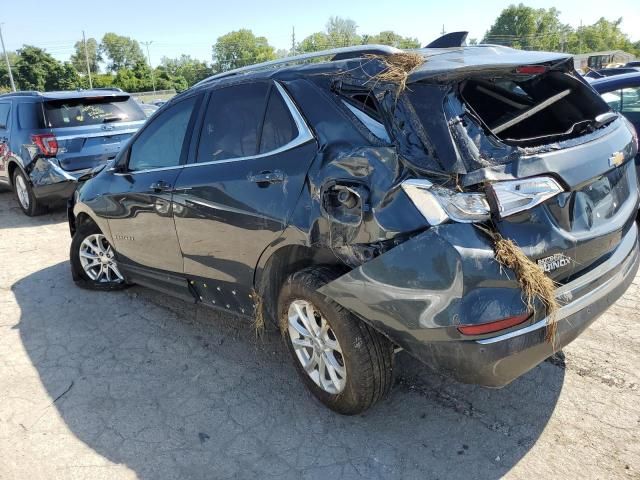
(616, 159)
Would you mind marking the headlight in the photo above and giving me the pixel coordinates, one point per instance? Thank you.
(437, 204)
(518, 195)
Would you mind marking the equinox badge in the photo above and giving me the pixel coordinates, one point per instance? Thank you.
(553, 262)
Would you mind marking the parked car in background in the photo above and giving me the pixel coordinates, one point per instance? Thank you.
(608, 72)
(148, 108)
(622, 94)
(361, 217)
(635, 63)
(51, 140)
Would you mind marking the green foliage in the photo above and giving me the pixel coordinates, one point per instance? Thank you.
(314, 42)
(189, 69)
(121, 52)
(602, 35)
(240, 48)
(78, 59)
(528, 28)
(37, 70)
(342, 32)
(391, 38)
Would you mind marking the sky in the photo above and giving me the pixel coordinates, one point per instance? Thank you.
(192, 26)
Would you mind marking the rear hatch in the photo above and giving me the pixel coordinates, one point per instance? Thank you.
(511, 125)
(91, 130)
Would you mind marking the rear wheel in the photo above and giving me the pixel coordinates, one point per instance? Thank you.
(93, 262)
(344, 362)
(24, 193)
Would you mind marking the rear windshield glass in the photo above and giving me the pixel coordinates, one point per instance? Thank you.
(77, 112)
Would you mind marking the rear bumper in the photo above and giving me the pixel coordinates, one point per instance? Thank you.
(419, 292)
(498, 360)
(53, 184)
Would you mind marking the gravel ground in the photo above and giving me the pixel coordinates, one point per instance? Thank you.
(136, 385)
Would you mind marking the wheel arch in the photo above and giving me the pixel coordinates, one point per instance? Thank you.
(278, 264)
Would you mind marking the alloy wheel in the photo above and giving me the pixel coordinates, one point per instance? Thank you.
(316, 347)
(22, 192)
(97, 260)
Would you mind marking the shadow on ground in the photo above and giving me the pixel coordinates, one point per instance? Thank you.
(8, 204)
(177, 391)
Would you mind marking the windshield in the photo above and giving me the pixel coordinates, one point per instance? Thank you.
(76, 112)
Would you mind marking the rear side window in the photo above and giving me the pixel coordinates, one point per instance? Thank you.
(77, 112)
(5, 108)
(160, 144)
(279, 128)
(232, 122)
(30, 116)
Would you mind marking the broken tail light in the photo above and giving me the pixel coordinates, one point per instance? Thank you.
(437, 204)
(47, 144)
(514, 196)
(491, 327)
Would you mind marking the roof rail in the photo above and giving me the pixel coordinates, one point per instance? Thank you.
(24, 93)
(341, 53)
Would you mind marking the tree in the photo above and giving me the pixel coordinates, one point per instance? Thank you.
(602, 35)
(190, 69)
(36, 69)
(79, 61)
(122, 52)
(314, 42)
(524, 27)
(391, 38)
(342, 32)
(5, 83)
(240, 48)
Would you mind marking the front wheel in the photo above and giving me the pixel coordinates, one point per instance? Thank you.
(344, 362)
(93, 262)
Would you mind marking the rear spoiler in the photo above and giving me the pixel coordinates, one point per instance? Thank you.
(449, 40)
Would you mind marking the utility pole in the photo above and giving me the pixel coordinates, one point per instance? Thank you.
(86, 57)
(153, 79)
(6, 57)
(293, 40)
(442, 32)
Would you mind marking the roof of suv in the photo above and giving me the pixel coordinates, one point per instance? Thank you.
(437, 61)
(65, 94)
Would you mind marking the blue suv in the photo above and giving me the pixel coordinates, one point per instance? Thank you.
(51, 140)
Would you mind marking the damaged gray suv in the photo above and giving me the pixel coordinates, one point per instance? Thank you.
(473, 206)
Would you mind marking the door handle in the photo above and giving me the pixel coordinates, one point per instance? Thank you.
(160, 186)
(267, 177)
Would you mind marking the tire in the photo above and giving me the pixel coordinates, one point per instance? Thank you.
(24, 194)
(366, 357)
(106, 275)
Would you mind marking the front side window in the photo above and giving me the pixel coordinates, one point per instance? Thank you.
(161, 143)
(232, 122)
(613, 99)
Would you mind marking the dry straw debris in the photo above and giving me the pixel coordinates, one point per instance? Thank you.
(535, 284)
(258, 313)
(398, 66)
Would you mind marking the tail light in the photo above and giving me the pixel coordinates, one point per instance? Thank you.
(531, 69)
(46, 143)
(491, 327)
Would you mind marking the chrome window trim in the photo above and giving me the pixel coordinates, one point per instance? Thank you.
(304, 135)
(375, 127)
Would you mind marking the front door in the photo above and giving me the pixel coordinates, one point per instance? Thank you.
(230, 204)
(140, 209)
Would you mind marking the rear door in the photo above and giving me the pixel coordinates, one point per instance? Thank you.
(91, 130)
(139, 199)
(249, 168)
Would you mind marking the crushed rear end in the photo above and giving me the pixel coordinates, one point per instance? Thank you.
(517, 144)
